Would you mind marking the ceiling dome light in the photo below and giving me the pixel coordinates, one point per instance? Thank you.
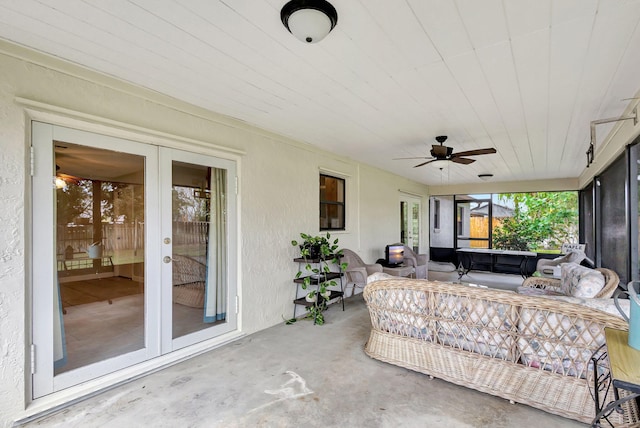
(309, 20)
(485, 177)
(440, 163)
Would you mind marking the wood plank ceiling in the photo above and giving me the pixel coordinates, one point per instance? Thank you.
(525, 77)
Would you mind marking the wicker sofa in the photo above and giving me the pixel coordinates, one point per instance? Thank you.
(533, 350)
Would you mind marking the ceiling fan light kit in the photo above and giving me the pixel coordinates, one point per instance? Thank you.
(309, 20)
(441, 155)
(440, 163)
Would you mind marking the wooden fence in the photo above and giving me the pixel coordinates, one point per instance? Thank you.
(116, 237)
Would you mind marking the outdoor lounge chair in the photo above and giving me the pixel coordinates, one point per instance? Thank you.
(357, 271)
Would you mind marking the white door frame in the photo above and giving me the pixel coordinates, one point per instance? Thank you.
(412, 199)
(157, 299)
(44, 257)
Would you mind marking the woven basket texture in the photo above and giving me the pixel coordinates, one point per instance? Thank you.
(611, 281)
(527, 349)
(189, 276)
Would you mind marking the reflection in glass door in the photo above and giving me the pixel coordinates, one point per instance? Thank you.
(196, 246)
(99, 253)
(198, 194)
(90, 256)
(410, 222)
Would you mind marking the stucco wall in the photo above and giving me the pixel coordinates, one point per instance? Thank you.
(442, 237)
(12, 254)
(278, 195)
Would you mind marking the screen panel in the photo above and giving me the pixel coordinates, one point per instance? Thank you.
(612, 218)
(587, 218)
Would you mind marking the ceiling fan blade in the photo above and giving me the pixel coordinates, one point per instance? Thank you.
(424, 163)
(69, 178)
(419, 157)
(477, 152)
(463, 161)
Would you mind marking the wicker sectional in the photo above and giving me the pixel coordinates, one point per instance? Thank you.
(527, 349)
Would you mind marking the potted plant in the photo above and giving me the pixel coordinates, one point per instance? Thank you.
(318, 253)
(312, 247)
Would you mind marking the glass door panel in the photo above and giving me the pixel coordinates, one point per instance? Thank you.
(198, 203)
(91, 201)
(198, 243)
(99, 253)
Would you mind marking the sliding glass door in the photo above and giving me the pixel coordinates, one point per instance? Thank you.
(133, 250)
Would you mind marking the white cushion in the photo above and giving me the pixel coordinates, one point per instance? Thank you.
(379, 276)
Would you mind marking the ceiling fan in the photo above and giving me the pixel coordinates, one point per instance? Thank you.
(444, 153)
(62, 180)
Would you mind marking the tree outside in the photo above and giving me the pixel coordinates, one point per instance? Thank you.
(541, 221)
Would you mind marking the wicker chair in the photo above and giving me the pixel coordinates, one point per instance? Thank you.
(419, 262)
(611, 281)
(357, 270)
(189, 276)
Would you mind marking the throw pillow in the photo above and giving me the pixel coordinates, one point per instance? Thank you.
(580, 281)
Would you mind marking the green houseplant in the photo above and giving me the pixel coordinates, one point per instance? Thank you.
(318, 253)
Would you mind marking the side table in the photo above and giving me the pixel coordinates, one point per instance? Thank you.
(624, 374)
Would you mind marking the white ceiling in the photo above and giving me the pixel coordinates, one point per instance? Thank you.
(523, 76)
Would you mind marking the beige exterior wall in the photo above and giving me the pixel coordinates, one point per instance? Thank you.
(278, 195)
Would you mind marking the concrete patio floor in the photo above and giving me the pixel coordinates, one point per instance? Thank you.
(297, 375)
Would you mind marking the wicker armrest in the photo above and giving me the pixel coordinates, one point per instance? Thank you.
(373, 268)
(542, 283)
(357, 275)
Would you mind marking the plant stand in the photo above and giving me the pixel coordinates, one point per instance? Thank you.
(315, 281)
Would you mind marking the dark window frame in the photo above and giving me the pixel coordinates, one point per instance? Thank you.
(326, 203)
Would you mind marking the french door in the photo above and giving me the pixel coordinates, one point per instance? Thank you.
(132, 257)
(410, 224)
(197, 202)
